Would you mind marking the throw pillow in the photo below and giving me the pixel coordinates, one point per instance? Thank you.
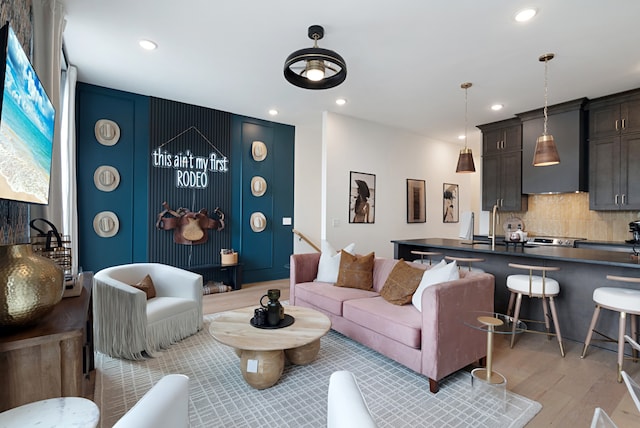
(442, 272)
(356, 271)
(146, 285)
(329, 264)
(401, 283)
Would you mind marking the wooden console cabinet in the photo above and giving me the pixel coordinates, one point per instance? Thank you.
(52, 358)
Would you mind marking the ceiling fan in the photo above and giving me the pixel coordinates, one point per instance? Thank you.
(315, 68)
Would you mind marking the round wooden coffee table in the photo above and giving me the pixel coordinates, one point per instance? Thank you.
(262, 351)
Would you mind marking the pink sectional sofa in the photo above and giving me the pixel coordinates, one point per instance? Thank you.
(434, 342)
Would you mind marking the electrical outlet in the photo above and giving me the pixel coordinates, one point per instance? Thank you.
(335, 222)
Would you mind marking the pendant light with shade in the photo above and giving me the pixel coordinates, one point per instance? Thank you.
(546, 152)
(465, 160)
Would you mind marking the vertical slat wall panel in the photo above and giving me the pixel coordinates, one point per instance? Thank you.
(168, 119)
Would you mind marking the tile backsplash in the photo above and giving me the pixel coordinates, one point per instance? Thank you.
(568, 215)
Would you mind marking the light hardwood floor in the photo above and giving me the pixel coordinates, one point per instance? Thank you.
(569, 388)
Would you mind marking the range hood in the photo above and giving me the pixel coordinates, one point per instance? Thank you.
(567, 122)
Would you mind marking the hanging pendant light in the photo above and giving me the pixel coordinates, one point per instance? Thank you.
(546, 152)
(465, 160)
(315, 68)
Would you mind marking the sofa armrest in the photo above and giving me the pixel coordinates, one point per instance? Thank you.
(303, 268)
(447, 343)
(165, 405)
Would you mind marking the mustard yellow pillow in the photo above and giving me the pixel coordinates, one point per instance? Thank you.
(147, 286)
(401, 283)
(356, 271)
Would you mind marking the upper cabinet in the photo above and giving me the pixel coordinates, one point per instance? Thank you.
(614, 152)
(614, 115)
(502, 166)
(568, 125)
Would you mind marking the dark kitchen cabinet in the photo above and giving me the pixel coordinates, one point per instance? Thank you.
(502, 166)
(614, 152)
(615, 115)
(614, 182)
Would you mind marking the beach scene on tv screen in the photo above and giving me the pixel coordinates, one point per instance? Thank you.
(26, 131)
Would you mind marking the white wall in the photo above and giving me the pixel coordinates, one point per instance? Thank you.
(393, 155)
(327, 149)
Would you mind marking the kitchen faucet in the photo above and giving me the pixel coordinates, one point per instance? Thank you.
(494, 217)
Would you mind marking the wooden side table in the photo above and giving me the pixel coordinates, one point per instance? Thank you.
(52, 358)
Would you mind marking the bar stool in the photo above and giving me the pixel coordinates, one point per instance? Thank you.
(422, 255)
(469, 260)
(535, 286)
(622, 300)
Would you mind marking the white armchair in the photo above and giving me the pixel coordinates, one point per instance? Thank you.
(165, 405)
(126, 324)
(346, 406)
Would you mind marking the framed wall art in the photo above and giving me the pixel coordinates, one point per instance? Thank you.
(416, 201)
(362, 192)
(450, 203)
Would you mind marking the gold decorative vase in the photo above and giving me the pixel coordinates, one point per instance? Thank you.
(30, 285)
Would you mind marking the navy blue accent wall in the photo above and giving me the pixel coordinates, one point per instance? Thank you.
(147, 123)
(265, 254)
(179, 129)
(129, 200)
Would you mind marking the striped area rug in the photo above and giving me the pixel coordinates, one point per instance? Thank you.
(219, 396)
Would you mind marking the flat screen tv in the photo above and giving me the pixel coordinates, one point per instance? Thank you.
(27, 120)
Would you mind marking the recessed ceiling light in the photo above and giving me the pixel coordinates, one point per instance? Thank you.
(525, 14)
(496, 107)
(147, 45)
(273, 112)
(341, 101)
(461, 137)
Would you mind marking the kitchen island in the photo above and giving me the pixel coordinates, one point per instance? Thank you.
(581, 271)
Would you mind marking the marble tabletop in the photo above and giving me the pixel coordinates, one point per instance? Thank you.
(70, 412)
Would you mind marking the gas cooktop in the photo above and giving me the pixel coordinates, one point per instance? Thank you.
(551, 241)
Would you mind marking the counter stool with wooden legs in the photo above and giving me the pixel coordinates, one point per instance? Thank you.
(469, 260)
(537, 286)
(422, 255)
(622, 300)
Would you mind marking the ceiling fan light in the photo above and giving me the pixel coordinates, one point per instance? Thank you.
(465, 161)
(314, 70)
(303, 67)
(546, 152)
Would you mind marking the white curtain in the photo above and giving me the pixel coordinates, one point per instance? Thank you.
(48, 23)
(69, 225)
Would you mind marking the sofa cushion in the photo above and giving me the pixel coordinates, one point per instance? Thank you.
(401, 283)
(329, 264)
(327, 297)
(400, 323)
(161, 308)
(356, 271)
(146, 285)
(442, 272)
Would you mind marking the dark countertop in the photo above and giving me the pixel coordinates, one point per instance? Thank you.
(578, 255)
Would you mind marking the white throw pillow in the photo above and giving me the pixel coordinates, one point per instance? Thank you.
(442, 272)
(329, 264)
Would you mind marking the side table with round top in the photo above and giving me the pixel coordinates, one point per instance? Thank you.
(262, 351)
(53, 412)
(493, 323)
